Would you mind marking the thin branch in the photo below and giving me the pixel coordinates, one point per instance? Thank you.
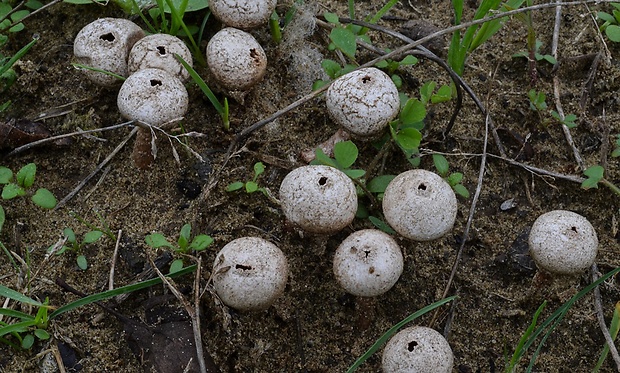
(598, 306)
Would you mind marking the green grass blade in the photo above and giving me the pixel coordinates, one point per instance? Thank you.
(112, 293)
(16, 314)
(15, 295)
(16, 328)
(613, 332)
(20, 53)
(203, 86)
(524, 338)
(377, 345)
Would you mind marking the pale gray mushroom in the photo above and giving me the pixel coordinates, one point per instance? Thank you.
(368, 263)
(236, 59)
(152, 97)
(318, 199)
(417, 349)
(363, 101)
(243, 14)
(249, 273)
(157, 51)
(420, 205)
(563, 242)
(105, 44)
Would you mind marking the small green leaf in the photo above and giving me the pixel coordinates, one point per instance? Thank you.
(616, 152)
(184, 236)
(443, 94)
(354, 174)
(259, 168)
(613, 33)
(441, 164)
(82, 262)
(19, 15)
(380, 224)
(408, 60)
(28, 341)
(201, 242)
(157, 240)
(234, 186)
(25, 176)
(92, 236)
(322, 158)
(344, 39)
(176, 266)
(413, 112)
(44, 199)
(70, 234)
(595, 175)
(2, 218)
(379, 183)
(605, 17)
(345, 153)
(397, 80)
(426, 91)
(42, 334)
(331, 67)
(331, 18)
(12, 190)
(5, 175)
(409, 138)
(251, 187)
(455, 178)
(461, 190)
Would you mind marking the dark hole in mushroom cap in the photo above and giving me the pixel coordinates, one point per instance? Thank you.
(353, 249)
(107, 37)
(366, 253)
(366, 79)
(241, 266)
(322, 180)
(411, 345)
(161, 50)
(371, 270)
(574, 229)
(155, 82)
(422, 186)
(254, 55)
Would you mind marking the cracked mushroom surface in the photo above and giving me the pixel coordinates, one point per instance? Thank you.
(157, 51)
(563, 242)
(242, 14)
(236, 59)
(249, 273)
(318, 199)
(363, 101)
(105, 44)
(420, 205)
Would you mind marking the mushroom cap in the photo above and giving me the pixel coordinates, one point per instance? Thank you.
(318, 199)
(243, 14)
(235, 59)
(363, 101)
(417, 349)
(420, 205)
(105, 44)
(152, 96)
(157, 51)
(563, 242)
(249, 273)
(368, 263)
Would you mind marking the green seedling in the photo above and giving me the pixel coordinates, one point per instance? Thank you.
(345, 154)
(613, 332)
(105, 227)
(611, 23)
(405, 131)
(184, 245)
(7, 74)
(76, 246)
(539, 105)
(251, 186)
(454, 178)
(18, 185)
(394, 329)
(595, 175)
(536, 54)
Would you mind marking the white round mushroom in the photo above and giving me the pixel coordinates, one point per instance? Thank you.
(157, 51)
(152, 96)
(235, 59)
(249, 274)
(105, 44)
(363, 101)
(420, 205)
(417, 349)
(318, 199)
(563, 242)
(368, 263)
(243, 14)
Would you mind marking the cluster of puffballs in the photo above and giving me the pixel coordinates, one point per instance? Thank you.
(250, 273)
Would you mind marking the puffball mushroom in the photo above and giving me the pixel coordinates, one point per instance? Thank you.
(242, 14)
(152, 97)
(563, 242)
(363, 101)
(368, 263)
(236, 59)
(417, 349)
(420, 205)
(249, 273)
(157, 51)
(105, 44)
(318, 199)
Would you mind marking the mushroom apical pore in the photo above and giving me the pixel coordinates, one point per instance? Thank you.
(368, 263)
(236, 59)
(157, 51)
(420, 205)
(363, 101)
(105, 44)
(318, 199)
(249, 273)
(243, 14)
(563, 242)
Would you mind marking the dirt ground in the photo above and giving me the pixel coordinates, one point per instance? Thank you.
(315, 326)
